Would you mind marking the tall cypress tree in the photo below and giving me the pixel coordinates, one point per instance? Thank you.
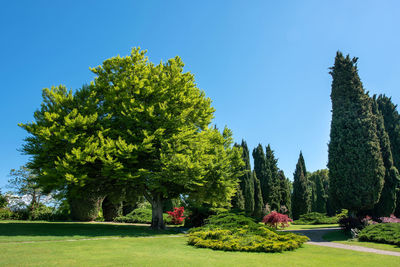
(262, 172)
(356, 169)
(259, 208)
(284, 192)
(391, 119)
(319, 202)
(274, 197)
(387, 200)
(246, 181)
(238, 199)
(301, 192)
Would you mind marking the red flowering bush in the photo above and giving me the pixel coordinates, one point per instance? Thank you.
(275, 219)
(177, 215)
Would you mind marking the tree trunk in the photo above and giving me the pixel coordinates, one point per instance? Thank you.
(157, 222)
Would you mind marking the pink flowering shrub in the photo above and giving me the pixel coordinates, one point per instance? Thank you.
(275, 219)
(391, 219)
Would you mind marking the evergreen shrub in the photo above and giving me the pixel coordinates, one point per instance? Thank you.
(388, 233)
(316, 218)
(236, 232)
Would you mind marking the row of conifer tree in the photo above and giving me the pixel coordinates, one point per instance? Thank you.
(266, 188)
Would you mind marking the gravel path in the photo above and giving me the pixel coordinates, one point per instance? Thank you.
(315, 236)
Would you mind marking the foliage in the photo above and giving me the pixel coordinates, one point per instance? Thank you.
(42, 213)
(301, 195)
(348, 223)
(391, 119)
(6, 214)
(247, 180)
(285, 193)
(356, 168)
(245, 239)
(3, 201)
(387, 201)
(316, 218)
(320, 180)
(262, 172)
(140, 215)
(388, 233)
(258, 200)
(236, 232)
(177, 215)
(238, 199)
(139, 127)
(274, 194)
(198, 214)
(275, 219)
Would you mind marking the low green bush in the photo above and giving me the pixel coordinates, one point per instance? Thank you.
(236, 232)
(316, 218)
(41, 213)
(388, 233)
(140, 215)
(6, 214)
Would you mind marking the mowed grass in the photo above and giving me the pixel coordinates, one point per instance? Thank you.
(340, 237)
(11, 231)
(146, 248)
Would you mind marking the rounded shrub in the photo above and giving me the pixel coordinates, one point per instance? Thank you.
(233, 232)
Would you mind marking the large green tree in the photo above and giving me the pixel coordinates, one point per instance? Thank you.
(301, 194)
(356, 170)
(140, 127)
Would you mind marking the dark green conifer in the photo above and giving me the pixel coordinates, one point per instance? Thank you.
(284, 192)
(262, 172)
(387, 200)
(319, 195)
(238, 200)
(301, 193)
(259, 209)
(391, 119)
(356, 169)
(274, 197)
(246, 181)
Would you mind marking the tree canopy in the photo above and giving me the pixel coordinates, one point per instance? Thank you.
(356, 169)
(138, 126)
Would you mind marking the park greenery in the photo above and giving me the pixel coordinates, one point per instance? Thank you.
(137, 145)
(233, 232)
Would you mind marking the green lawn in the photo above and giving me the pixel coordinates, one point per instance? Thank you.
(310, 226)
(139, 246)
(340, 237)
(11, 231)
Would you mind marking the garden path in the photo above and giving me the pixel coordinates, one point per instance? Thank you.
(316, 235)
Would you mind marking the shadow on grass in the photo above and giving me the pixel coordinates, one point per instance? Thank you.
(76, 229)
(337, 235)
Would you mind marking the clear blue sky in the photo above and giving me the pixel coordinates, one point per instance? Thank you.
(263, 63)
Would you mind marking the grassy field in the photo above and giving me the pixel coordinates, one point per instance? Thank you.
(49, 245)
(340, 237)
